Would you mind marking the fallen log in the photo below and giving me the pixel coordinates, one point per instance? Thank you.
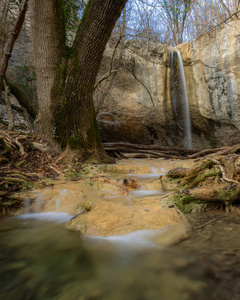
(208, 151)
(140, 155)
(125, 145)
(156, 154)
(224, 193)
(230, 150)
(165, 151)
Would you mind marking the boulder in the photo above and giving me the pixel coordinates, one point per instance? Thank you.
(115, 217)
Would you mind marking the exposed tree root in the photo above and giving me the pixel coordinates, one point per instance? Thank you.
(218, 164)
(211, 179)
(18, 156)
(20, 146)
(207, 151)
(178, 172)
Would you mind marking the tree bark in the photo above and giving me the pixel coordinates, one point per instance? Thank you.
(4, 26)
(65, 80)
(49, 51)
(8, 107)
(213, 193)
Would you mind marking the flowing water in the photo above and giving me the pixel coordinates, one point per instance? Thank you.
(41, 260)
(173, 53)
(187, 121)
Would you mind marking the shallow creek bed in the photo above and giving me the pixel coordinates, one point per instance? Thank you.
(122, 249)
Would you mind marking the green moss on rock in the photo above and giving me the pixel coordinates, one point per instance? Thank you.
(188, 203)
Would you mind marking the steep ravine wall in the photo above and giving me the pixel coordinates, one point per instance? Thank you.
(212, 70)
(132, 97)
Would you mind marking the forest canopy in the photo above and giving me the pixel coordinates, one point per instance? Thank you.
(174, 21)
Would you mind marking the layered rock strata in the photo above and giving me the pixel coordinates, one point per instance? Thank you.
(143, 103)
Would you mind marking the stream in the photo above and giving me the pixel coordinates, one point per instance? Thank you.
(41, 259)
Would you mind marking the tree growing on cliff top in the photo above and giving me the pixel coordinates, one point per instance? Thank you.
(66, 75)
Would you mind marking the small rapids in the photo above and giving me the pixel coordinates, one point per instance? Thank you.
(47, 216)
(133, 241)
(150, 176)
(41, 260)
(145, 193)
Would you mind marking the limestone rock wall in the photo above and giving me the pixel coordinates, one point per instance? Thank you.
(142, 103)
(213, 81)
(130, 103)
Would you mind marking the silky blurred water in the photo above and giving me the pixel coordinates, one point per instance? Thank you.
(40, 259)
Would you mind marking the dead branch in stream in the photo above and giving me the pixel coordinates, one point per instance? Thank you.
(139, 155)
(208, 151)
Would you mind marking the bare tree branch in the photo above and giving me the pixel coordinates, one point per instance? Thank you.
(12, 40)
(215, 27)
(143, 84)
(110, 71)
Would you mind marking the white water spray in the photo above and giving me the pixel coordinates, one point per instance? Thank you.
(186, 112)
(60, 199)
(39, 202)
(57, 204)
(153, 170)
(26, 205)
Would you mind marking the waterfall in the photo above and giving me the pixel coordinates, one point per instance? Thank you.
(185, 105)
(186, 112)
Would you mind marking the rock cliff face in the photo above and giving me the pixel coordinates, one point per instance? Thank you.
(213, 80)
(143, 103)
(131, 103)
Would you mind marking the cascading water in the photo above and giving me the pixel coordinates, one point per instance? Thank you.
(185, 104)
(187, 121)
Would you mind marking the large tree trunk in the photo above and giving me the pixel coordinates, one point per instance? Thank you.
(68, 84)
(48, 35)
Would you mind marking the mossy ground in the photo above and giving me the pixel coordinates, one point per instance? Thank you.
(188, 204)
